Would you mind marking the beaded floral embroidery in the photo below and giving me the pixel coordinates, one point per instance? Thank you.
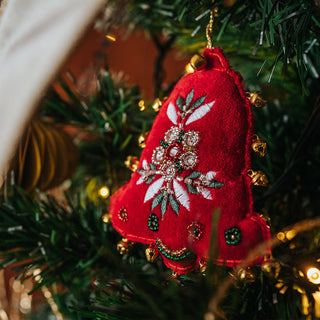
(233, 236)
(123, 214)
(195, 230)
(177, 153)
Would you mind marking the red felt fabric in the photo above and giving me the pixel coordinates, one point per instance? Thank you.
(225, 135)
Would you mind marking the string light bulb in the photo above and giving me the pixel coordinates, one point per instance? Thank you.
(104, 192)
(313, 275)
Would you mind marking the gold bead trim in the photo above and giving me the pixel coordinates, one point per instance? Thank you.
(175, 255)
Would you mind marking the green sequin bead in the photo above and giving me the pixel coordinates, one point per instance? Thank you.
(233, 236)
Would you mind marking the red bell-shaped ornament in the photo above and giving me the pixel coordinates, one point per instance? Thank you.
(196, 160)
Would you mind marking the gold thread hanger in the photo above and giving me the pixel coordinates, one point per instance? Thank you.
(209, 29)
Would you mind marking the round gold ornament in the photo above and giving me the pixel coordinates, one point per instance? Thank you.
(45, 157)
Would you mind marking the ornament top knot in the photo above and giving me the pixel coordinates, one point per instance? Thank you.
(195, 164)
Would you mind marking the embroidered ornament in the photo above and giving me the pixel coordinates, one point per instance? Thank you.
(196, 163)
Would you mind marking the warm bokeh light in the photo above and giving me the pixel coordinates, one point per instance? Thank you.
(281, 236)
(110, 37)
(104, 192)
(313, 275)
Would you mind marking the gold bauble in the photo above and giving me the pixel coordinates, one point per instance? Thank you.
(151, 254)
(271, 268)
(132, 163)
(258, 178)
(256, 100)
(106, 218)
(124, 246)
(259, 146)
(45, 157)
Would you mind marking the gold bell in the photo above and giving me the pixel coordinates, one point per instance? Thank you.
(142, 139)
(245, 275)
(157, 104)
(124, 246)
(106, 218)
(256, 100)
(271, 268)
(151, 254)
(266, 219)
(203, 266)
(132, 163)
(197, 62)
(258, 178)
(142, 105)
(259, 146)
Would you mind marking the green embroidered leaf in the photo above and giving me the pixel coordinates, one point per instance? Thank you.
(194, 175)
(189, 97)
(156, 200)
(180, 102)
(216, 184)
(164, 204)
(140, 170)
(198, 102)
(174, 204)
(152, 166)
(150, 179)
(192, 189)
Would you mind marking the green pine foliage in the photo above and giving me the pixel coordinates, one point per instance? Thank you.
(275, 46)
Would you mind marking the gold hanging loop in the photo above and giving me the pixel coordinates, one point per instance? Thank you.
(213, 14)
